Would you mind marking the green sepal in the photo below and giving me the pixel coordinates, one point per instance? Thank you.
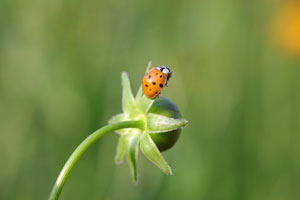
(150, 150)
(121, 149)
(145, 104)
(128, 101)
(159, 123)
(119, 118)
(132, 151)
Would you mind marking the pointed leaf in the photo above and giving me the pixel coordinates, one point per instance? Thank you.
(128, 101)
(159, 123)
(145, 104)
(153, 154)
(140, 91)
(121, 149)
(132, 151)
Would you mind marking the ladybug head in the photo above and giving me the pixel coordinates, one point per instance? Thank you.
(165, 70)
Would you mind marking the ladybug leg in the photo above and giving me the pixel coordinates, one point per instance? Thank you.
(166, 83)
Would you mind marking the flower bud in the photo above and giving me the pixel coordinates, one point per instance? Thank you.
(162, 125)
(163, 106)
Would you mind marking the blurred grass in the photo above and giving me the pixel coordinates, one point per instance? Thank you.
(60, 65)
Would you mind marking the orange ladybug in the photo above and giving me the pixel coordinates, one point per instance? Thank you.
(154, 81)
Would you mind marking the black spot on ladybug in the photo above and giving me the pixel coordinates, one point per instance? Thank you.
(146, 85)
(149, 77)
(156, 93)
(154, 83)
(161, 85)
(160, 76)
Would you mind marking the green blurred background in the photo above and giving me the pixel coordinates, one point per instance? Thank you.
(60, 66)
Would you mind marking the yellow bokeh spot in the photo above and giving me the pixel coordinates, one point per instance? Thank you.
(285, 29)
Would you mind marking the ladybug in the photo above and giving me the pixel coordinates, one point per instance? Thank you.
(154, 81)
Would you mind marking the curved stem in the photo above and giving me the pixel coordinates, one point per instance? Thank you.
(56, 190)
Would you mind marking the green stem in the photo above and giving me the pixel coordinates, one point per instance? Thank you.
(61, 179)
